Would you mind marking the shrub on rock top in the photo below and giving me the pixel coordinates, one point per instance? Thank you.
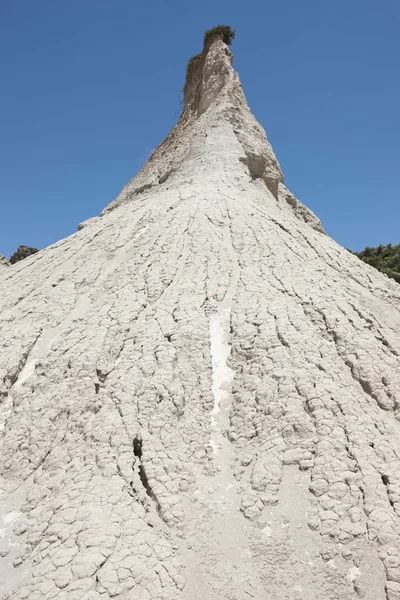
(21, 253)
(224, 30)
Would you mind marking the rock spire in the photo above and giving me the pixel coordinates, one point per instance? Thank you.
(199, 390)
(214, 103)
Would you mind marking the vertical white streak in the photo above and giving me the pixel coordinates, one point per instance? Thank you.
(222, 375)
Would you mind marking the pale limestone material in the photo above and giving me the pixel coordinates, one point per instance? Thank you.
(200, 390)
(87, 222)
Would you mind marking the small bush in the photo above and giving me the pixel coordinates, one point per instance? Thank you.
(192, 60)
(224, 30)
(21, 253)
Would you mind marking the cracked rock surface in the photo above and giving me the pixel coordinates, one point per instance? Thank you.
(199, 390)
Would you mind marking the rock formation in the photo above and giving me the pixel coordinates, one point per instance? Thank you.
(3, 261)
(200, 389)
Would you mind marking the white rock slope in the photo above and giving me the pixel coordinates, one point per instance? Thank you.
(200, 389)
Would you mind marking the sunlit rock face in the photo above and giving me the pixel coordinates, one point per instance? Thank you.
(199, 390)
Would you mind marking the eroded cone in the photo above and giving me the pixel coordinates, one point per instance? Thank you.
(199, 390)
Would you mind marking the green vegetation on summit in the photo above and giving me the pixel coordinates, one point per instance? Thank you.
(227, 34)
(21, 253)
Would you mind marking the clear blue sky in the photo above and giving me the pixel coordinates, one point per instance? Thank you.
(90, 87)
